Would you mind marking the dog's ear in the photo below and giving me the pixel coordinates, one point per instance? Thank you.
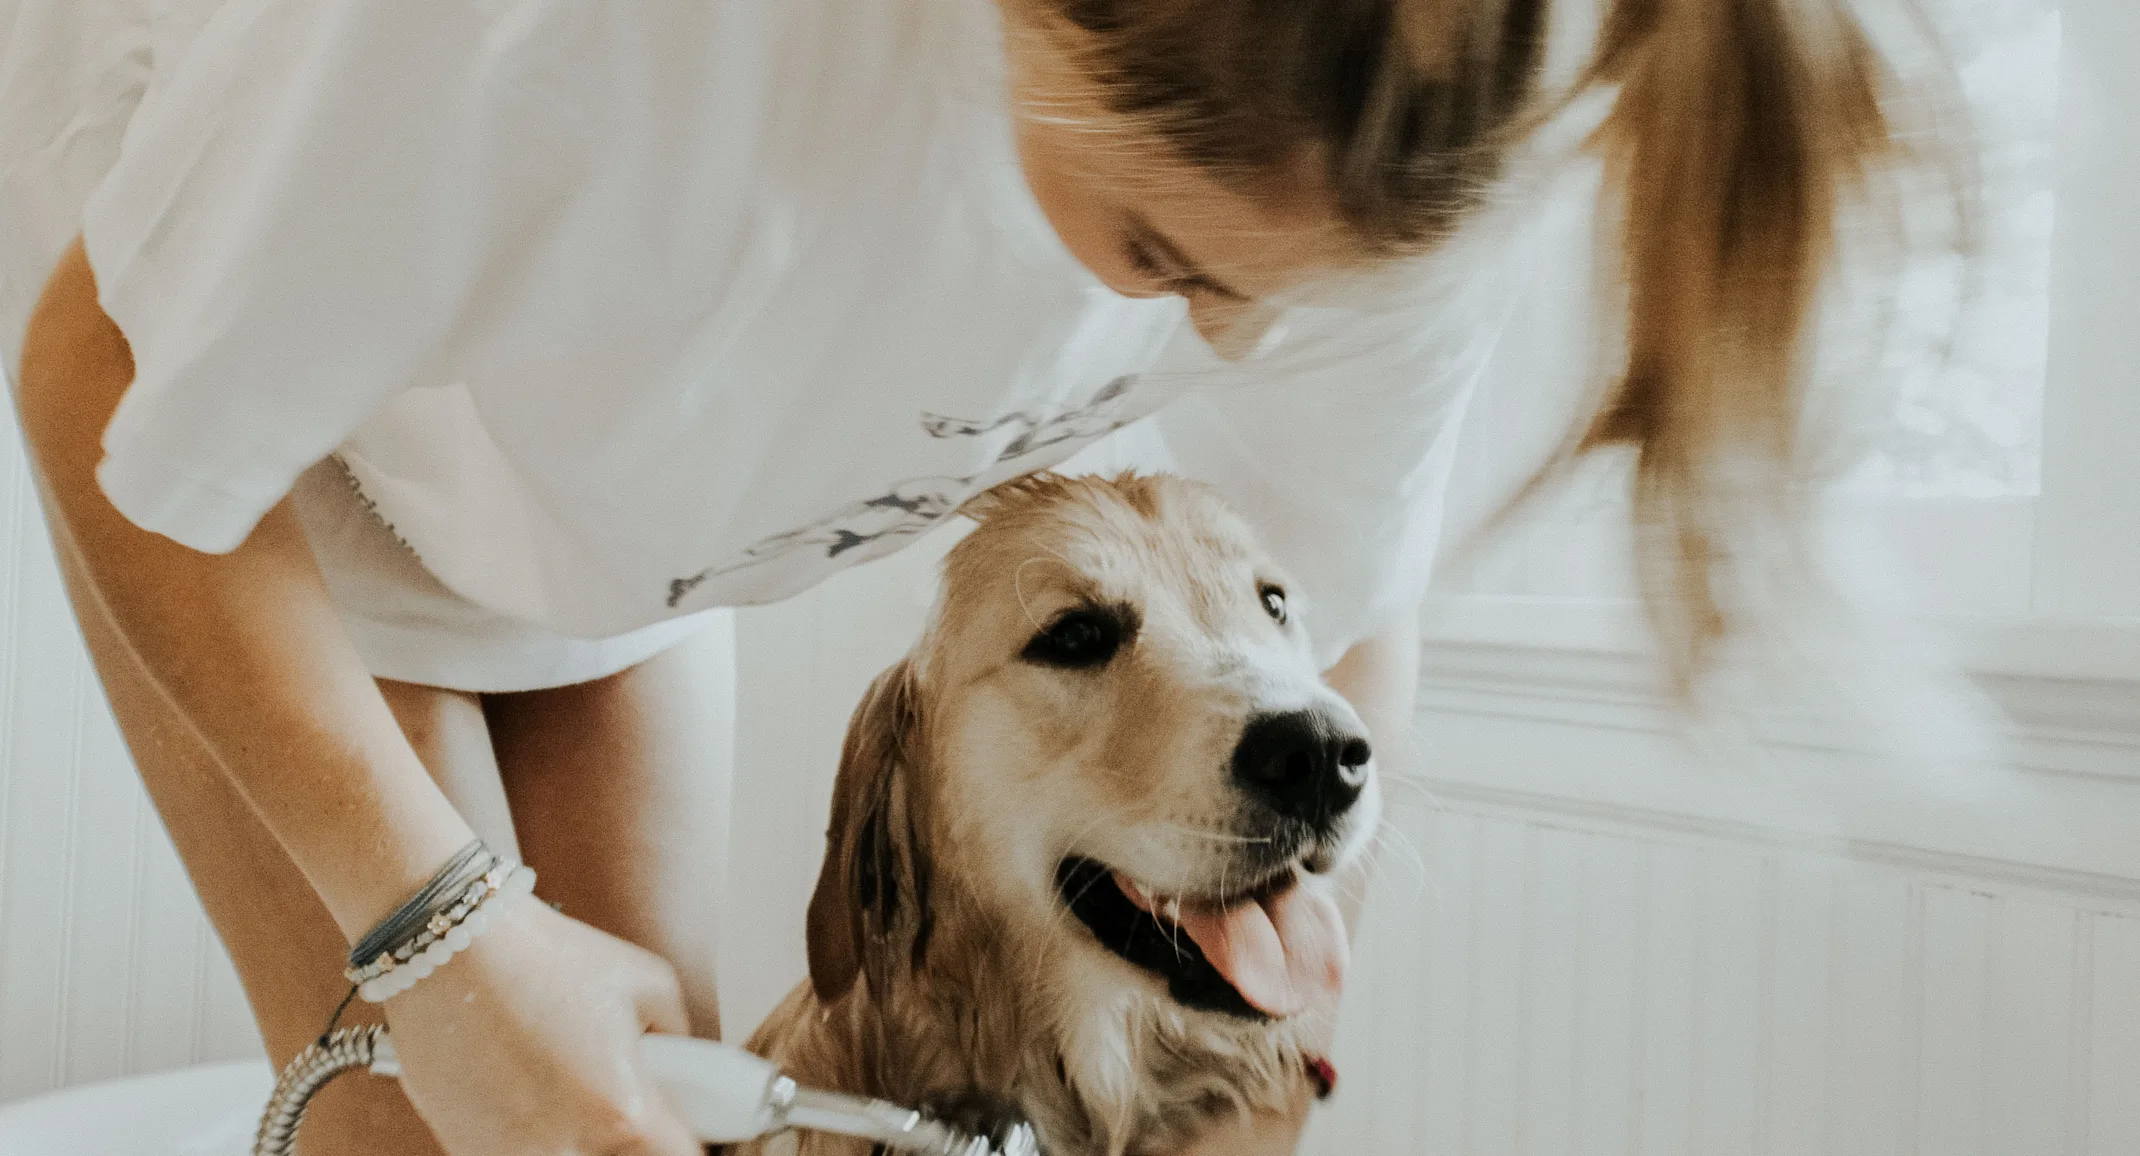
(875, 877)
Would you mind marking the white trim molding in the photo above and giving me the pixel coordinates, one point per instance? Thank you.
(2069, 692)
(1556, 706)
(2110, 892)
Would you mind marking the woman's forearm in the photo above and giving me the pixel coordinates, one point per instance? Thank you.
(245, 646)
(1380, 678)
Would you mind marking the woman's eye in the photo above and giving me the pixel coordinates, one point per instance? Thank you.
(1142, 259)
(1081, 638)
(1162, 276)
(1274, 604)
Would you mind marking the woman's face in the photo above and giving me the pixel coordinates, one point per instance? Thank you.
(1147, 223)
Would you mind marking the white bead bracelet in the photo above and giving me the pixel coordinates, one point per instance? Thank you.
(447, 935)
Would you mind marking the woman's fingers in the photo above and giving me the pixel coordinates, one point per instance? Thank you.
(660, 998)
(656, 1132)
(536, 1046)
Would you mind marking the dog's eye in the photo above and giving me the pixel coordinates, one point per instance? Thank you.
(1274, 604)
(1077, 639)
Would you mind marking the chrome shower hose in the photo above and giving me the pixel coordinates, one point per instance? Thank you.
(774, 1104)
(326, 1058)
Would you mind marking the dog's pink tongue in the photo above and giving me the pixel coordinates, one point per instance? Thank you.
(1285, 953)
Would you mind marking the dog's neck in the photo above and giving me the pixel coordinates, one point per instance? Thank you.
(1100, 1067)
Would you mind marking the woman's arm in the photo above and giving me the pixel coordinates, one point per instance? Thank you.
(526, 1041)
(1380, 677)
(245, 646)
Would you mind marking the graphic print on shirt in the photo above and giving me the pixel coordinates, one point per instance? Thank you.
(909, 508)
(915, 505)
(1099, 416)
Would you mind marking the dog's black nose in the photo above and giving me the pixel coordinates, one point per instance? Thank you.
(1303, 763)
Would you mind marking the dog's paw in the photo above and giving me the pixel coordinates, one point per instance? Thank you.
(990, 1117)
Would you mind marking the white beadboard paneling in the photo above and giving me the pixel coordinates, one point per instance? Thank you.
(1398, 951)
(170, 939)
(40, 897)
(1607, 974)
(15, 500)
(1795, 1096)
(1550, 990)
(106, 964)
(1732, 910)
(1954, 929)
(94, 1028)
(2080, 1032)
(1644, 987)
(2031, 965)
(2113, 1094)
(1868, 952)
(1495, 1065)
(1666, 918)
(1451, 1029)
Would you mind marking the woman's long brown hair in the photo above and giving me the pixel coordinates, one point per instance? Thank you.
(1740, 130)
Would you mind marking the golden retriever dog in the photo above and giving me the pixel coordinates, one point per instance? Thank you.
(1081, 864)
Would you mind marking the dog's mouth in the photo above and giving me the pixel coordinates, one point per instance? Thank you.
(1271, 951)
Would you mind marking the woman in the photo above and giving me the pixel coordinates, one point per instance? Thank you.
(425, 372)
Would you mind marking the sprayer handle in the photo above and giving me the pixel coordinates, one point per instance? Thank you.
(726, 1095)
(723, 1093)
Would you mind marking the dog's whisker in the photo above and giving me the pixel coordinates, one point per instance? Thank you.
(1223, 900)
(1211, 836)
(1173, 927)
(1419, 788)
(1406, 777)
(1389, 837)
(1087, 888)
(1057, 921)
(1390, 832)
(1406, 781)
(1059, 917)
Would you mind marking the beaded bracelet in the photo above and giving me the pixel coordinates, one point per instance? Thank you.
(445, 934)
(438, 918)
(468, 865)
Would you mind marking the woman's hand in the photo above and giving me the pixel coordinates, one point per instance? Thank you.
(528, 1042)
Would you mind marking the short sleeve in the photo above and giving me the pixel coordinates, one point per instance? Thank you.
(1339, 454)
(282, 239)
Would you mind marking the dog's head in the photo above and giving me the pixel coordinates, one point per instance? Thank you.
(1116, 739)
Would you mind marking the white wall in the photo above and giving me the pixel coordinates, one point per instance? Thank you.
(1593, 937)
(803, 666)
(1559, 981)
(106, 965)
